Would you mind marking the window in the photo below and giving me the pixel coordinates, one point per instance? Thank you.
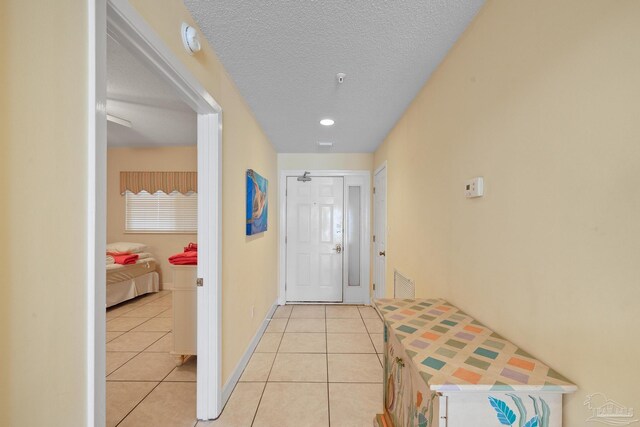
(161, 212)
(353, 235)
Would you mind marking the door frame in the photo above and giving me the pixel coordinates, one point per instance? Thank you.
(381, 291)
(129, 28)
(365, 227)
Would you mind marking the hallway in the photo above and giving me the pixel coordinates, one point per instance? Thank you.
(316, 365)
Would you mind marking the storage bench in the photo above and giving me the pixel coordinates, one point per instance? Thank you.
(443, 368)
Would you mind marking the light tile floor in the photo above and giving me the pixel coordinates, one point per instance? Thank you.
(316, 365)
(144, 386)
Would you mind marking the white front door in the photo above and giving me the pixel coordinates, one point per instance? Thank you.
(314, 239)
(379, 231)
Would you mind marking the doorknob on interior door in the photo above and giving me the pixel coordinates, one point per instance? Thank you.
(383, 253)
(338, 248)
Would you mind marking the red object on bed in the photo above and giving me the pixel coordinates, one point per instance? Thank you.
(188, 257)
(123, 258)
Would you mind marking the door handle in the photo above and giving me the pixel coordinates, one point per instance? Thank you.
(338, 248)
(383, 253)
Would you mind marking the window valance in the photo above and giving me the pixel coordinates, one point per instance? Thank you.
(152, 182)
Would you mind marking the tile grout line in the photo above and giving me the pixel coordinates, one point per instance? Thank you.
(255, 414)
(138, 353)
(156, 386)
(144, 397)
(298, 382)
(326, 339)
(147, 395)
(375, 350)
(126, 351)
(141, 305)
(153, 381)
(279, 351)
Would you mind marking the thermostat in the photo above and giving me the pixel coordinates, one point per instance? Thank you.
(474, 187)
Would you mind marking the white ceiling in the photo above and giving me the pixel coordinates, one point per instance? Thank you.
(158, 116)
(284, 57)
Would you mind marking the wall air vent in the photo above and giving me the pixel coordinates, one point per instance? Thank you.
(403, 287)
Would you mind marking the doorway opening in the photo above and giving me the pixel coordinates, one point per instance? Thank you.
(127, 28)
(324, 236)
(152, 224)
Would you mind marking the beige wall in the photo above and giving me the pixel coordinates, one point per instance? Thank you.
(5, 226)
(162, 246)
(540, 98)
(245, 146)
(319, 161)
(42, 219)
(42, 215)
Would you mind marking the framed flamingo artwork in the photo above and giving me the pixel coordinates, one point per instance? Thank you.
(257, 203)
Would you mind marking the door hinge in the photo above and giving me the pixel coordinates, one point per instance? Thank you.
(285, 239)
(374, 286)
(199, 281)
(374, 190)
(374, 238)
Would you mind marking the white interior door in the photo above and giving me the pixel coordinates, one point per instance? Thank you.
(380, 231)
(314, 239)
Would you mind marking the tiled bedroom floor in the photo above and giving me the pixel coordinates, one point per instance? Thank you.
(315, 366)
(144, 386)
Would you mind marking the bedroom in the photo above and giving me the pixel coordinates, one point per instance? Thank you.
(151, 217)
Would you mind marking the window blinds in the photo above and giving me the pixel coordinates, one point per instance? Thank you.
(161, 212)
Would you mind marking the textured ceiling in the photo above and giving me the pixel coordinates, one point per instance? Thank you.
(284, 57)
(158, 116)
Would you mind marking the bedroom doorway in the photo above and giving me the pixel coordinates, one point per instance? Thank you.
(124, 26)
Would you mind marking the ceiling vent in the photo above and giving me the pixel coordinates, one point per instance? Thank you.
(324, 146)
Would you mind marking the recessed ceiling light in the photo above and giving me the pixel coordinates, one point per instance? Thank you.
(325, 144)
(327, 122)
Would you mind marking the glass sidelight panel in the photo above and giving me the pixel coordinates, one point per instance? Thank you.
(353, 236)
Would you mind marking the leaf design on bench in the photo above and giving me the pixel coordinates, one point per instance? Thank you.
(533, 422)
(521, 409)
(505, 415)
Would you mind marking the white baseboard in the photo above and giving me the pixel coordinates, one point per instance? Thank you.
(237, 372)
(167, 286)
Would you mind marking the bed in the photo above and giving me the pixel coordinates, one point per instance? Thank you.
(125, 282)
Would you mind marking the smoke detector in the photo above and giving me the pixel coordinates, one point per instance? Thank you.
(190, 39)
